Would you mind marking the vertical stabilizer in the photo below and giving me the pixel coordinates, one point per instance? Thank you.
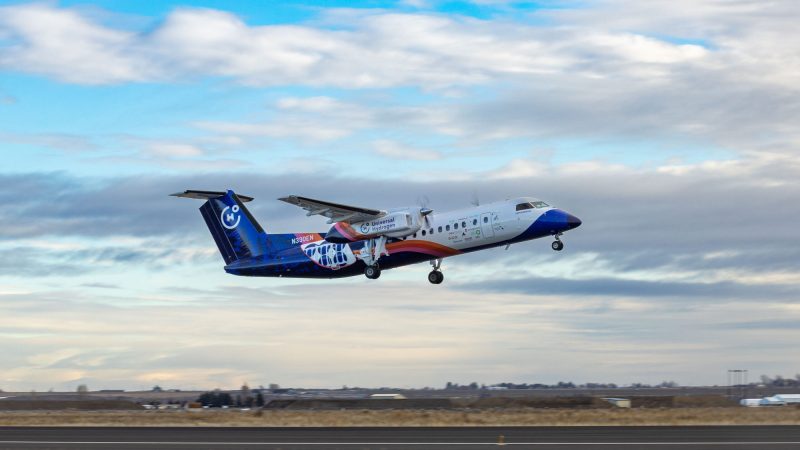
(237, 234)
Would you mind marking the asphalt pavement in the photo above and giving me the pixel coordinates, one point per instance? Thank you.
(391, 438)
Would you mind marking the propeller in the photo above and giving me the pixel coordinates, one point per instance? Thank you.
(424, 210)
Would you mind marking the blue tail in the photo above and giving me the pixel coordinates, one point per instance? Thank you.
(236, 232)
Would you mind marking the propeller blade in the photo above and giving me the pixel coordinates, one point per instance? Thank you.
(424, 212)
(423, 201)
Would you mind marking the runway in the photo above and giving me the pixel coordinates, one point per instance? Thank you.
(390, 438)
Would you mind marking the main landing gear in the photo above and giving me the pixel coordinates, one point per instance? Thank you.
(371, 253)
(436, 276)
(372, 272)
(557, 245)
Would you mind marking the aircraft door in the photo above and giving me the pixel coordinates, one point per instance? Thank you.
(487, 228)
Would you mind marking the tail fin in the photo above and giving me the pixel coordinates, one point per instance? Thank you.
(236, 232)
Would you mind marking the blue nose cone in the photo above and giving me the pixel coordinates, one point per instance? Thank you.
(557, 221)
(572, 221)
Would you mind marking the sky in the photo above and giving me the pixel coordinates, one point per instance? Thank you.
(668, 127)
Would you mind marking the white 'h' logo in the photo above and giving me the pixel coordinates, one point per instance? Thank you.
(230, 220)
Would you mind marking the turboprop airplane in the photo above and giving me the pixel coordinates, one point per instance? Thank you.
(365, 240)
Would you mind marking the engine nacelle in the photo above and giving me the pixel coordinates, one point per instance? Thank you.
(396, 224)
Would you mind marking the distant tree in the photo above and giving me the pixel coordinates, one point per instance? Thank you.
(473, 385)
(157, 388)
(247, 396)
(82, 389)
(259, 399)
(215, 399)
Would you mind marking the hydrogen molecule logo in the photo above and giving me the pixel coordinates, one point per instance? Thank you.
(230, 220)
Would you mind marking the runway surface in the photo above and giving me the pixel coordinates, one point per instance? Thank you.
(391, 438)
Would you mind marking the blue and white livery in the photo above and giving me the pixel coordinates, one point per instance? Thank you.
(367, 241)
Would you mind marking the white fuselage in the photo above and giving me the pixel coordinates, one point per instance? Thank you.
(481, 225)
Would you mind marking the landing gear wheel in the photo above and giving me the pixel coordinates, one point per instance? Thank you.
(557, 246)
(436, 277)
(372, 272)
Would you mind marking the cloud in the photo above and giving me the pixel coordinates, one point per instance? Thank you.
(696, 83)
(58, 141)
(706, 223)
(173, 150)
(395, 150)
(616, 288)
(313, 119)
(368, 51)
(702, 250)
(680, 270)
(400, 340)
(64, 44)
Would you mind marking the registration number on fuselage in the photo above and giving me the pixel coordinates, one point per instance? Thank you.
(302, 239)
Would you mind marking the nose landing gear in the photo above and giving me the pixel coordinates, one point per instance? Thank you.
(557, 245)
(436, 276)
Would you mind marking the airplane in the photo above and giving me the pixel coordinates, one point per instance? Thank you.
(367, 241)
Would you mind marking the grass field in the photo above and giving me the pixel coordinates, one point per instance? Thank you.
(487, 417)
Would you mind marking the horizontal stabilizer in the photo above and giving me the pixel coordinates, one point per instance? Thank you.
(206, 195)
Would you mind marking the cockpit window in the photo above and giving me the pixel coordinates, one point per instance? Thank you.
(540, 204)
(524, 206)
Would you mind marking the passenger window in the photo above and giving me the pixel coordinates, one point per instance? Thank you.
(447, 228)
(415, 235)
(423, 232)
(464, 224)
(474, 221)
(440, 229)
(485, 220)
(455, 226)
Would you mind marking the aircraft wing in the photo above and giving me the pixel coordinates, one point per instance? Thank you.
(334, 211)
